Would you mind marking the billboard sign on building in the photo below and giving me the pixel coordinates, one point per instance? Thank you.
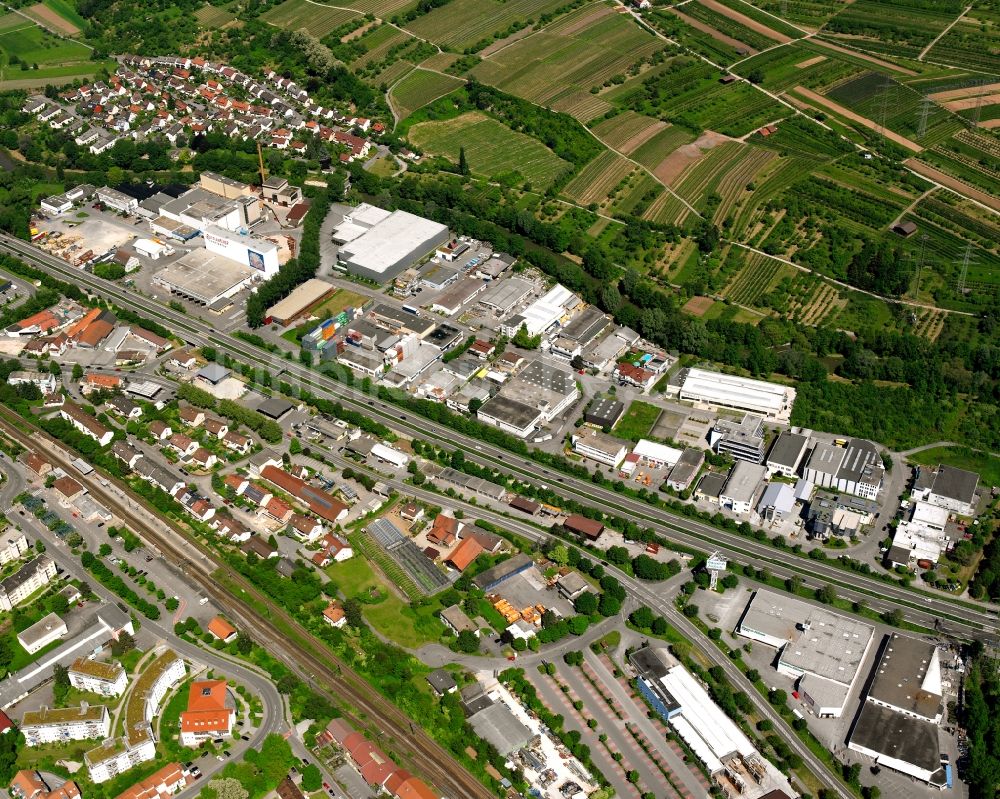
(256, 261)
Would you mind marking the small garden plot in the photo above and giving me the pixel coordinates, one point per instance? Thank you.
(316, 18)
(491, 148)
(895, 27)
(419, 88)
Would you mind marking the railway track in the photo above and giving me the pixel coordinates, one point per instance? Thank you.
(314, 663)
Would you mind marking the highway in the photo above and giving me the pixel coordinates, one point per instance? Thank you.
(267, 624)
(962, 617)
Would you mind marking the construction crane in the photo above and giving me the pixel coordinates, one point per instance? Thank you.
(263, 172)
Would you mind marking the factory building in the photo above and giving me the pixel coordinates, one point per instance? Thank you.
(257, 253)
(856, 468)
(742, 487)
(380, 251)
(897, 725)
(205, 277)
(299, 302)
(557, 303)
(717, 390)
(822, 650)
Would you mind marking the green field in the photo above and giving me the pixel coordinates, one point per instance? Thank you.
(894, 27)
(296, 14)
(463, 23)
(389, 615)
(637, 421)
(419, 88)
(565, 64)
(986, 466)
(491, 148)
(34, 45)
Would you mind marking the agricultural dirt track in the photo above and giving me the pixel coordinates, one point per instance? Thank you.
(51, 20)
(671, 167)
(953, 183)
(747, 22)
(864, 56)
(719, 36)
(830, 105)
(968, 91)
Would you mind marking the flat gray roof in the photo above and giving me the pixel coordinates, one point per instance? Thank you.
(587, 325)
(743, 481)
(955, 484)
(826, 458)
(498, 725)
(787, 449)
(505, 294)
(510, 411)
(204, 276)
(274, 407)
(898, 736)
(908, 676)
(711, 484)
(398, 235)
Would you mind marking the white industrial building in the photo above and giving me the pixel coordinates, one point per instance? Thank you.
(656, 455)
(390, 245)
(258, 253)
(742, 487)
(510, 415)
(777, 502)
(60, 725)
(543, 313)
(389, 455)
(718, 390)
(822, 650)
(898, 723)
(117, 200)
(716, 740)
(856, 469)
(599, 446)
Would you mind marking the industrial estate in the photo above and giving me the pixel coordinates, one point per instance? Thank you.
(466, 399)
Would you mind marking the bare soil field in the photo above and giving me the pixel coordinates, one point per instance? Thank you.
(698, 306)
(968, 91)
(50, 19)
(965, 103)
(747, 22)
(719, 36)
(810, 62)
(671, 167)
(830, 105)
(953, 183)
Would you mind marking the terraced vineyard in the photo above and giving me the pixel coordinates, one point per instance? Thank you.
(490, 147)
(464, 23)
(213, 17)
(419, 88)
(735, 185)
(559, 66)
(316, 18)
(668, 210)
(595, 182)
(652, 152)
(627, 131)
(702, 177)
(758, 275)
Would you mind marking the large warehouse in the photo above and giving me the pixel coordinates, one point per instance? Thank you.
(253, 251)
(718, 390)
(298, 303)
(390, 246)
(205, 277)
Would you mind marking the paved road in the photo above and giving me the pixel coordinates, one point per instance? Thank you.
(274, 711)
(967, 617)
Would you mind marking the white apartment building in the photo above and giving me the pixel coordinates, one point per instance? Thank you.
(106, 679)
(12, 546)
(25, 581)
(118, 755)
(60, 725)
